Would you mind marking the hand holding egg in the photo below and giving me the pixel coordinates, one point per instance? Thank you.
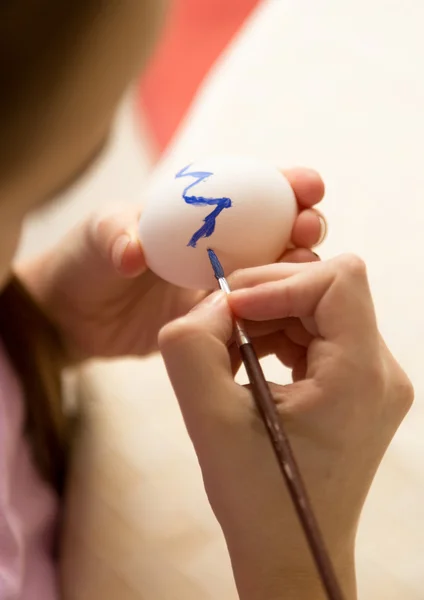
(115, 305)
(242, 208)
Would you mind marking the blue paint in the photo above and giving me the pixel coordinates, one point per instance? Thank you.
(216, 265)
(208, 227)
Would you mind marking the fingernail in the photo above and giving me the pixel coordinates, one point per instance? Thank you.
(209, 302)
(323, 230)
(118, 250)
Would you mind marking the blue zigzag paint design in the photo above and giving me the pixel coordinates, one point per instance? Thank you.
(208, 227)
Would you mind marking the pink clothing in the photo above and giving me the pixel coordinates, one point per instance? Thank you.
(28, 507)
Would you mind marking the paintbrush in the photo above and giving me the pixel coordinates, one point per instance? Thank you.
(281, 446)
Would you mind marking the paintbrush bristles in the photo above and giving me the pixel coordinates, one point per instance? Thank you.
(216, 265)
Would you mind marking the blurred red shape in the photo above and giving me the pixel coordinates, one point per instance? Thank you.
(195, 34)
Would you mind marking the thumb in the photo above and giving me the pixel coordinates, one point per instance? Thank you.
(113, 235)
(196, 356)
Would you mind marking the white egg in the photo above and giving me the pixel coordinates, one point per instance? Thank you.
(242, 208)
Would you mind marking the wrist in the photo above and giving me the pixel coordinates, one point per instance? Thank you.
(271, 580)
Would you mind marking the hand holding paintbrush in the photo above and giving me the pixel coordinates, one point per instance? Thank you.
(281, 446)
(348, 397)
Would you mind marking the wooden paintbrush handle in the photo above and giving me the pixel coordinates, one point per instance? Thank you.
(287, 463)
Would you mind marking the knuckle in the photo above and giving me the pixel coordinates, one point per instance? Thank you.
(287, 298)
(95, 219)
(101, 220)
(238, 279)
(391, 383)
(403, 391)
(170, 333)
(100, 225)
(109, 221)
(376, 376)
(353, 266)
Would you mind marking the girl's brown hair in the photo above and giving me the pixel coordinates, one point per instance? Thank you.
(37, 354)
(41, 44)
(36, 42)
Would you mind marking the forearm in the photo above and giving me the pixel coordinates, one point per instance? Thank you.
(290, 586)
(267, 580)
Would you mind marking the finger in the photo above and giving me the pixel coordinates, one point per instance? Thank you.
(292, 328)
(307, 186)
(114, 235)
(335, 293)
(299, 255)
(235, 359)
(257, 329)
(246, 278)
(299, 369)
(267, 336)
(297, 333)
(195, 352)
(278, 344)
(309, 229)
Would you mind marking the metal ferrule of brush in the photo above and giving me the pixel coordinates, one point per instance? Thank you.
(239, 331)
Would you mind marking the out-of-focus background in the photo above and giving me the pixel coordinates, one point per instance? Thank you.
(334, 84)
